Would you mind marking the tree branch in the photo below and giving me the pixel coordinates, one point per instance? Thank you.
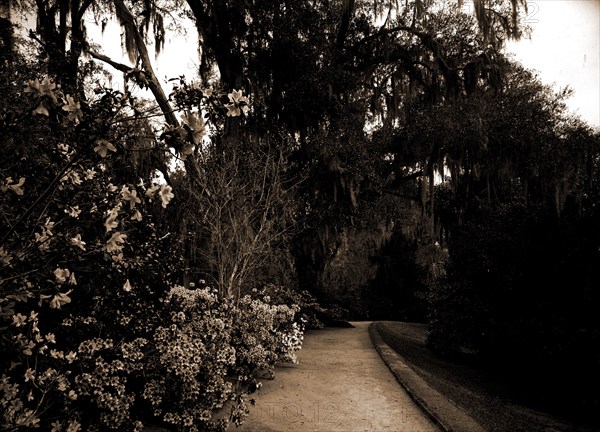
(86, 4)
(128, 21)
(119, 66)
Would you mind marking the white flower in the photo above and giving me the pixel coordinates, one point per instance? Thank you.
(72, 176)
(29, 375)
(15, 187)
(232, 110)
(44, 88)
(90, 173)
(75, 179)
(27, 348)
(166, 195)
(76, 241)
(115, 243)
(127, 286)
(19, 320)
(130, 196)
(61, 274)
(238, 103)
(48, 226)
(41, 109)
(73, 211)
(73, 109)
(60, 299)
(152, 191)
(45, 235)
(137, 216)
(237, 97)
(56, 354)
(111, 221)
(63, 148)
(103, 146)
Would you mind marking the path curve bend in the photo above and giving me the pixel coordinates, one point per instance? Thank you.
(340, 384)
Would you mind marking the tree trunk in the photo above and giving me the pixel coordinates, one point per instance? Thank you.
(6, 35)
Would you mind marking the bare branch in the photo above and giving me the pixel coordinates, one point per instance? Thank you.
(119, 66)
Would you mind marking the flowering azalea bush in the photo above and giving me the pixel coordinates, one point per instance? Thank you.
(267, 334)
(95, 333)
(209, 352)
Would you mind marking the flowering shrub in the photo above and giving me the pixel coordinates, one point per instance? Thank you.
(309, 311)
(267, 333)
(93, 337)
(207, 355)
(75, 236)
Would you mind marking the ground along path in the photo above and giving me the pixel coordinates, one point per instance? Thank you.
(340, 384)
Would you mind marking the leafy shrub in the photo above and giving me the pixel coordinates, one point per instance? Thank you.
(94, 336)
(309, 311)
(520, 293)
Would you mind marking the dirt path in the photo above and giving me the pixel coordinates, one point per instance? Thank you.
(340, 384)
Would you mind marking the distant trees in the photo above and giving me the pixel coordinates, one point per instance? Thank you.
(376, 101)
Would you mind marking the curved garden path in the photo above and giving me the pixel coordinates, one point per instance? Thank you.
(340, 384)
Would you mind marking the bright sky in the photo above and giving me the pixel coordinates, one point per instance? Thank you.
(565, 50)
(178, 57)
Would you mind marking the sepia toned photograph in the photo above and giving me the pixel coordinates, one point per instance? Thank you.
(300, 215)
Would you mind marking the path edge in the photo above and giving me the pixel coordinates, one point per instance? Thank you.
(441, 411)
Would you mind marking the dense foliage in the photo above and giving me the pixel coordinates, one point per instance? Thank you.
(96, 332)
(521, 231)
